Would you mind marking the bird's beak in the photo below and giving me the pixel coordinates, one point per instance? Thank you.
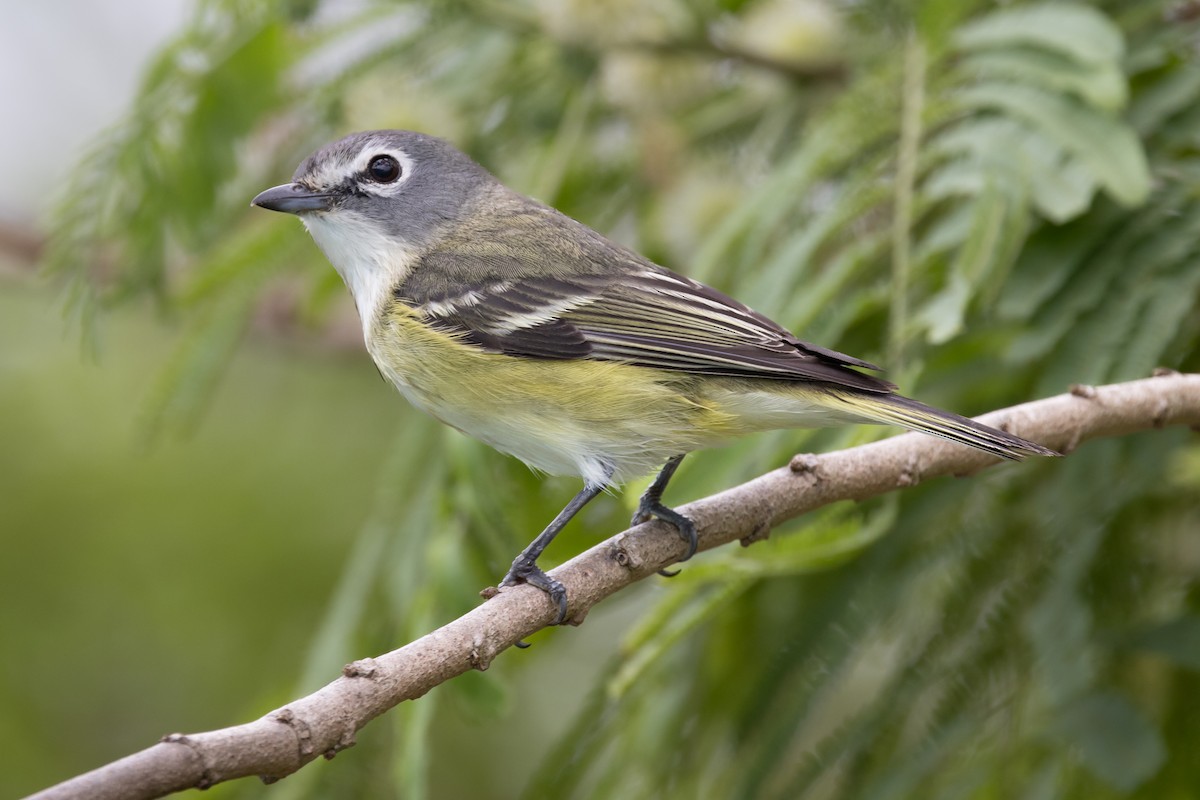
(292, 198)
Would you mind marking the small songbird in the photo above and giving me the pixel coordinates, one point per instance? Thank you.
(530, 331)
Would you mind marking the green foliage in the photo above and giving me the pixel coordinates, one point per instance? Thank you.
(1030, 632)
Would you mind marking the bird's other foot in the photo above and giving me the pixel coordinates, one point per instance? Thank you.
(650, 508)
(526, 570)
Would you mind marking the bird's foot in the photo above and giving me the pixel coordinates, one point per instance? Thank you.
(649, 509)
(526, 570)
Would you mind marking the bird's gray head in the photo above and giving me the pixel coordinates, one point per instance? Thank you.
(375, 201)
(403, 183)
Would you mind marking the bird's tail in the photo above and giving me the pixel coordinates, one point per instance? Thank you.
(894, 409)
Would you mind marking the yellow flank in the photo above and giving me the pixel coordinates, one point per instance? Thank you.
(562, 417)
(605, 420)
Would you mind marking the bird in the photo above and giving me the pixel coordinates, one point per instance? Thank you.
(530, 331)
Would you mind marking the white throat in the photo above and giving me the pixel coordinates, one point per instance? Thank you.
(369, 262)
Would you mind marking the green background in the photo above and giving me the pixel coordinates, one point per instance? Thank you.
(211, 501)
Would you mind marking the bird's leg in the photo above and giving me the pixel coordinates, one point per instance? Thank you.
(651, 507)
(524, 567)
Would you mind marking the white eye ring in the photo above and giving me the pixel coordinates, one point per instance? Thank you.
(385, 184)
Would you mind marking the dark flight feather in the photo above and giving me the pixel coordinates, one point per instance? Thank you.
(649, 317)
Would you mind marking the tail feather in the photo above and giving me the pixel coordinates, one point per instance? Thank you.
(894, 409)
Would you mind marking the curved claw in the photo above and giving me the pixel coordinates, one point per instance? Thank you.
(526, 571)
(687, 530)
(651, 509)
(669, 573)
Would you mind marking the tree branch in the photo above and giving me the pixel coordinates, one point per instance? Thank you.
(326, 721)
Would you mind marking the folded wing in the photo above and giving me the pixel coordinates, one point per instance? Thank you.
(647, 316)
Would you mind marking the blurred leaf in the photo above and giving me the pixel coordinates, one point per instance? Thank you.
(943, 314)
(1177, 639)
(184, 388)
(1076, 30)
(1108, 149)
(1100, 84)
(1115, 741)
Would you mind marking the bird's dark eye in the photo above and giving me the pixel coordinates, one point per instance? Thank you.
(383, 169)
